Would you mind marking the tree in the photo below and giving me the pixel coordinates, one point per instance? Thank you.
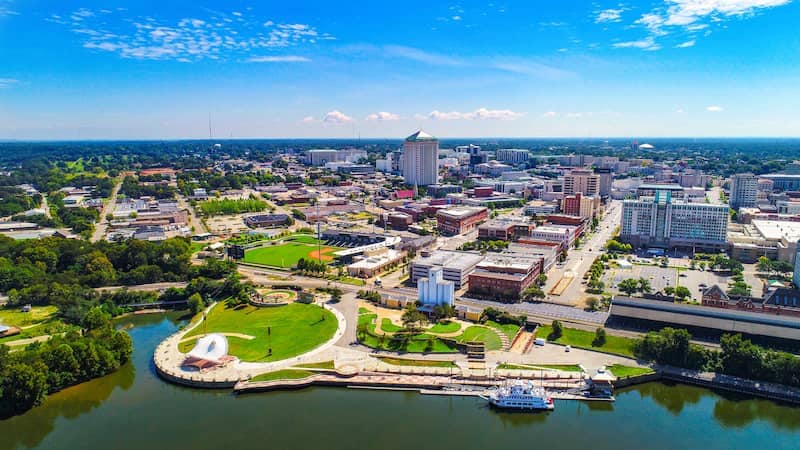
(599, 337)
(532, 293)
(195, 302)
(558, 330)
(593, 303)
(669, 290)
(644, 285)
(682, 292)
(629, 286)
(412, 318)
(541, 280)
(24, 386)
(96, 319)
(764, 264)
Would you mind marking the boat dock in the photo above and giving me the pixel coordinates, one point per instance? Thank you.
(424, 384)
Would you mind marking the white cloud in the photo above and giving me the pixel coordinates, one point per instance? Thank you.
(550, 114)
(609, 15)
(5, 9)
(336, 117)
(647, 43)
(456, 18)
(680, 111)
(574, 115)
(422, 56)
(382, 116)
(216, 36)
(278, 59)
(308, 119)
(8, 82)
(687, 17)
(715, 109)
(478, 114)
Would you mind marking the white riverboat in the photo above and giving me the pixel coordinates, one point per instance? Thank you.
(520, 395)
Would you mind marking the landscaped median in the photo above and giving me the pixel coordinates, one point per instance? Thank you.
(439, 338)
(615, 345)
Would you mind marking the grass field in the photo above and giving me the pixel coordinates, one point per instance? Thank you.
(284, 255)
(320, 365)
(40, 321)
(295, 329)
(449, 327)
(303, 239)
(38, 314)
(417, 362)
(419, 343)
(481, 334)
(286, 374)
(388, 326)
(510, 330)
(583, 339)
(621, 371)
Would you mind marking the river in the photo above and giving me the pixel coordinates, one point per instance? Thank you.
(134, 409)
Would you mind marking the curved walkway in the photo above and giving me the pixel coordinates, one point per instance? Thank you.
(168, 360)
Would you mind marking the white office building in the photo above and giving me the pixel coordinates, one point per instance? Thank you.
(661, 222)
(434, 290)
(421, 159)
(513, 155)
(744, 190)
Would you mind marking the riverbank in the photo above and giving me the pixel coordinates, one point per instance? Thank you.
(108, 412)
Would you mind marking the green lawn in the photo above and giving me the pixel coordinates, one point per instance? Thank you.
(283, 255)
(388, 326)
(418, 343)
(198, 246)
(303, 239)
(363, 311)
(40, 321)
(481, 334)
(295, 329)
(510, 330)
(287, 374)
(319, 365)
(583, 339)
(448, 327)
(38, 314)
(417, 362)
(621, 371)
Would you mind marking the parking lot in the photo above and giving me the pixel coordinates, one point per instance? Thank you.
(661, 277)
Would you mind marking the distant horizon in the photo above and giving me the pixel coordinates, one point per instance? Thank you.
(400, 139)
(112, 70)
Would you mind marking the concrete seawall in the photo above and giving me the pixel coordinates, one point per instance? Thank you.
(712, 380)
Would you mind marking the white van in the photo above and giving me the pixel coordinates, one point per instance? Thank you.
(539, 341)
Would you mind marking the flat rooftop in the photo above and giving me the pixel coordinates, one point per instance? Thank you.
(775, 230)
(461, 212)
(450, 259)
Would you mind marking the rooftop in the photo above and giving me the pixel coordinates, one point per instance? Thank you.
(450, 259)
(461, 212)
(421, 136)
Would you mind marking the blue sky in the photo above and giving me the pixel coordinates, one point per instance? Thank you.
(157, 70)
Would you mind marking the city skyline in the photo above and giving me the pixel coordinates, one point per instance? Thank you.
(688, 68)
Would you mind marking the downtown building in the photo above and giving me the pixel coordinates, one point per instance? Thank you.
(584, 181)
(421, 159)
(460, 219)
(662, 222)
(513, 156)
(744, 190)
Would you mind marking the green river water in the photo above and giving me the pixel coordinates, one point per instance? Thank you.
(134, 409)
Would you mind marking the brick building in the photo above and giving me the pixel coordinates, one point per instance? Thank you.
(504, 276)
(461, 219)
